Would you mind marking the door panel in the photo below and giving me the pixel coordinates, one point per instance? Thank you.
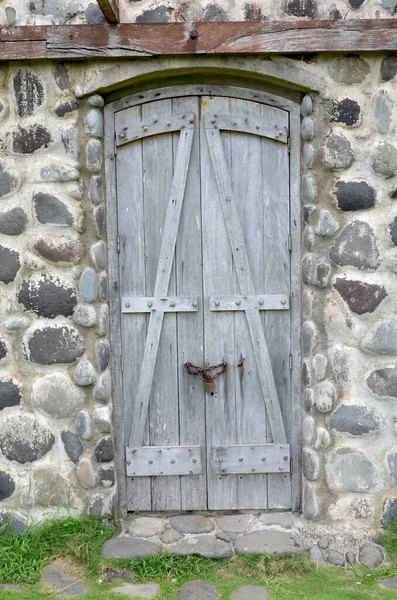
(182, 410)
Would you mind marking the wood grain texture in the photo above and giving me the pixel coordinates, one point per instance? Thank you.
(141, 40)
(110, 9)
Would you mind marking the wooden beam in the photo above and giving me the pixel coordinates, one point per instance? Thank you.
(145, 40)
(111, 10)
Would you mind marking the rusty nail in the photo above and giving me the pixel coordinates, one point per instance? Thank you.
(193, 34)
(168, 123)
(191, 120)
(213, 120)
(238, 302)
(217, 303)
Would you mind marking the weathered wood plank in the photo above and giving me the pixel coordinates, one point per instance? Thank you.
(23, 33)
(148, 304)
(263, 302)
(22, 50)
(249, 124)
(153, 126)
(160, 461)
(249, 459)
(110, 9)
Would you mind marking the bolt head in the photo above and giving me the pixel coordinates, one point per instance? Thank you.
(220, 460)
(213, 120)
(145, 128)
(194, 303)
(150, 304)
(122, 136)
(217, 303)
(150, 462)
(168, 123)
(241, 459)
(238, 302)
(261, 302)
(127, 304)
(194, 460)
(172, 461)
(172, 303)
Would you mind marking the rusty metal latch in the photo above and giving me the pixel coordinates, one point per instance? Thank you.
(209, 374)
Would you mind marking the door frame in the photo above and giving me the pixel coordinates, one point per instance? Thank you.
(293, 108)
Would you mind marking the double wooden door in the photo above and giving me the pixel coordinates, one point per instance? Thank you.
(203, 204)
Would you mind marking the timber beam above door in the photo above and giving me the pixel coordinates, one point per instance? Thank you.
(144, 40)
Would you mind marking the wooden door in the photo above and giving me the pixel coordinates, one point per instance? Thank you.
(203, 204)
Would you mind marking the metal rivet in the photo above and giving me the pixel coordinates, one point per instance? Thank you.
(128, 462)
(145, 128)
(172, 303)
(258, 126)
(168, 123)
(150, 304)
(263, 458)
(285, 457)
(241, 459)
(220, 460)
(217, 303)
(238, 302)
(127, 304)
(283, 302)
(261, 302)
(122, 135)
(194, 460)
(213, 120)
(172, 461)
(194, 303)
(150, 462)
(234, 122)
(191, 120)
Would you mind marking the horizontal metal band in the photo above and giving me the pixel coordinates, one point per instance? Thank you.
(154, 126)
(250, 458)
(138, 304)
(264, 302)
(246, 124)
(157, 461)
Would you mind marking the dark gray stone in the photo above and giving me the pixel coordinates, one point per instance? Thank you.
(100, 220)
(316, 270)
(253, 12)
(356, 247)
(361, 297)
(371, 555)
(59, 173)
(54, 345)
(85, 315)
(350, 558)
(10, 394)
(58, 579)
(103, 287)
(70, 142)
(390, 512)
(58, 250)
(337, 152)
(95, 192)
(47, 296)
(94, 15)
(94, 155)
(13, 222)
(129, 548)
(8, 181)
(102, 354)
(270, 542)
(393, 231)
(345, 111)
(29, 92)
(112, 574)
(49, 209)
(226, 536)
(12, 521)
(61, 76)
(356, 3)
(204, 545)
(349, 470)
(197, 590)
(7, 485)
(11, 15)
(300, 8)
(191, 524)
(311, 507)
(65, 107)
(97, 506)
(310, 464)
(10, 263)
(354, 419)
(383, 382)
(104, 450)
(84, 374)
(390, 583)
(31, 139)
(88, 285)
(317, 556)
(382, 106)
(381, 338)
(98, 255)
(309, 337)
(384, 159)
(159, 14)
(390, 5)
(388, 68)
(354, 195)
(349, 69)
(215, 12)
(3, 349)
(73, 446)
(24, 438)
(336, 558)
(106, 476)
(323, 542)
(83, 425)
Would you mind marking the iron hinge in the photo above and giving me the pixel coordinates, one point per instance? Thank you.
(291, 465)
(289, 145)
(290, 242)
(118, 244)
(122, 363)
(290, 362)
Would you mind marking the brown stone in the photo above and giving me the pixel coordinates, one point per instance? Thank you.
(59, 250)
(360, 297)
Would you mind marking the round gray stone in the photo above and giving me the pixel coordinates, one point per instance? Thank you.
(85, 315)
(49, 209)
(25, 438)
(9, 181)
(102, 388)
(85, 473)
(371, 555)
(383, 382)
(12, 521)
(57, 396)
(354, 419)
(137, 590)
(15, 324)
(382, 106)
(337, 152)
(384, 159)
(311, 507)
(191, 524)
(146, 527)
(102, 417)
(88, 285)
(13, 222)
(269, 542)
(94, 156)
(58, 579)
(129, 548)
(103, 451)
(323, 542)
(98, 255)
(7, 485)
(59, 173)
(226, 536)
(381, 338)
(197, 590)
(250, 592)
(83, 425)
(336, 558)
(84, 374)
(10, 393)
(204, 545)
(95, 192)
(102, 354)
(348, 70)
(170, 536)
(325, 396)
(94, 122)
(50, 488)
(234, 523)
(73, 446)
(356, 247)
(350, 470)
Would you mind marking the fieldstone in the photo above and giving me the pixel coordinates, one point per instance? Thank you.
(112, 574)
(12, 521)
(307, 129)
(349, 69)
(354, 419)
(98, 255)
(85, 473)
(100, 220)
(95, 192)
(388, 68)
(3, 349)
(371, 555)
(70, 142)
(308, 155)
(390, 512)
(325, 396)
(234, 523)
(7, 485)
(393, 231)
(102, 388)
(9, 181)
(191, 524)
(250, 592)
(319, 364)
(226, 536)
(103, 321)
(381, 338)
(103, 287)
(323, 542)
(213, 12)
(145, 527)
(129, 548)
(392, 462)
(9, 587)
(269, 542)
(97, 506)
(59, 250)
(354, 195)
(102, 417)
(102, 354)
(390, 583)
(65, 107)
(204, 545)
(10, 263)
(360, 297)
(323, 223)
(317, 556)
(137, 590)
(59, 173)
(94, 156)
(32, 262)
(311, 464)
(24, 438)
(85, 315)
(170, 536)
(337, 152)
(345, 111)
(356, 247)
(83, 425)
(56, 396)
(383, 382)
(88, 285)
(104, 450)
(4, 109)
(94, 122)
(306, 376)
(311, 506)
(309, 238)
(73, 446)
(384, 159)
(13, 222)
(31, 139)
(50, 345)
(16, 324)
(29, 92)
(350, 558)
(309, 337)
(96, 100)
(50, 488)
(61, 76)
(308, 430)
(10, 393)
(281, 519)
(197, 590)
(306, 106)
(349, 470)
(336, 558)
(382, 106)
(316, 270)
(106, 476)
(49, 209)
(47, 296)
(309, 399)
(58, 579)
(301, 8)
(84, 374)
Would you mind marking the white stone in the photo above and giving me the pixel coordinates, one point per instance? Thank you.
(102, 417)
(56, 395)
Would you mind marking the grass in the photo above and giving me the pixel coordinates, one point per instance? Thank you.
(77, 543)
